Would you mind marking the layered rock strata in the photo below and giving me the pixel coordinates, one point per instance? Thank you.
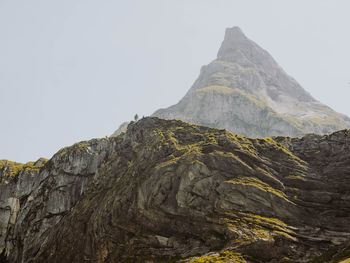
(168, 191)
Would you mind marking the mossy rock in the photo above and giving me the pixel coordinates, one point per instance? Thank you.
(225, 256)
(13, 169)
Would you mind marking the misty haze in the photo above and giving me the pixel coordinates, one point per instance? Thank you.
(178, 131)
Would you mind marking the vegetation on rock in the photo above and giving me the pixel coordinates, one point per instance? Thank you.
(169, 191)
(13, 169)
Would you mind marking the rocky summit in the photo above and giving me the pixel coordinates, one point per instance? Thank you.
(245, 91)
(169, 191)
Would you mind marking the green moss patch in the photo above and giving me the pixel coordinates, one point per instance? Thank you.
(13, 169)
(225, 256)
(256, 183)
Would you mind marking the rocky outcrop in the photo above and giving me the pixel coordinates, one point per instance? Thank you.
(168, 191)
(245, 91)
(35, 196)
(17, 181)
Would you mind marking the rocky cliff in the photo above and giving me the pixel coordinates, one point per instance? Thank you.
(245, 91)
(35, 196)
(168, 191)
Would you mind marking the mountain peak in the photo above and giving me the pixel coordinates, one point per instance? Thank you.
(234, 40)
(245, 91)
(234, 33)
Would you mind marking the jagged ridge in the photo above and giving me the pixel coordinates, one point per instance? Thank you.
(169, 191)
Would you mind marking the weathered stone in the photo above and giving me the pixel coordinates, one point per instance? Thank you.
(167, 191)
(245, 91)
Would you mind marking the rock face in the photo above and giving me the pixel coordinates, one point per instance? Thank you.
(35, 196)
(245, 91)
(167, 191)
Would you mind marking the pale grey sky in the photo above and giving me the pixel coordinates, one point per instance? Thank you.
(72, 70)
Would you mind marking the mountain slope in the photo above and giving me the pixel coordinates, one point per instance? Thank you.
(166, 191)
(245, 91)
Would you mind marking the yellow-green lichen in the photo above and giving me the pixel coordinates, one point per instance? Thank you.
(12, 169)
(225, 256)
(275, 225)
(296, 177)
(266, 220)
(256, 183)
(281, 148)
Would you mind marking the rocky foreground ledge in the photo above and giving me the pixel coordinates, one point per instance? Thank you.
(168, 191)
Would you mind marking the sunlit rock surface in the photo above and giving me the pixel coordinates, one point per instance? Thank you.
(245, 91)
